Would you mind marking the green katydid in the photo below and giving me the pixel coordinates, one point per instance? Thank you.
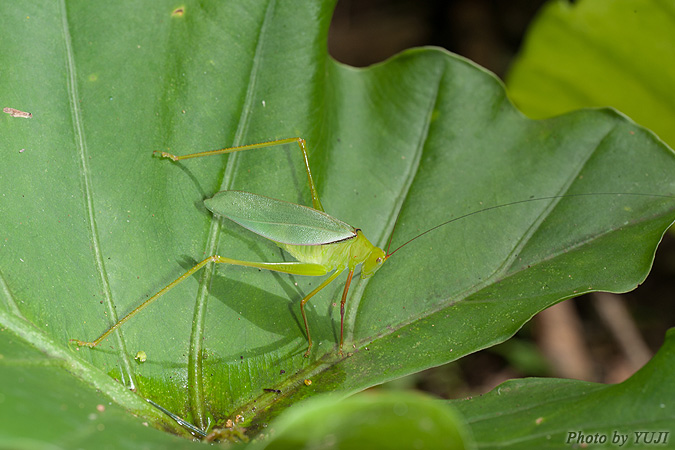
(321, 243)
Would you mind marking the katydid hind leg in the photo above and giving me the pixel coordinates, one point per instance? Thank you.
(145, 304)
(291, 267)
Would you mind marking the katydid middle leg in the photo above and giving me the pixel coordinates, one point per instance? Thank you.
(326, 282)
(316, 203)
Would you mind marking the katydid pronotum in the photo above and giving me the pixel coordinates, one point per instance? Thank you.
(321, 244)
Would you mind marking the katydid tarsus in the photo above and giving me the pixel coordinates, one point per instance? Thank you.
(322, 245)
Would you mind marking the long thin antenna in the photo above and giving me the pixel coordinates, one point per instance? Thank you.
(391, 236)
(184, 423)
(503, 205)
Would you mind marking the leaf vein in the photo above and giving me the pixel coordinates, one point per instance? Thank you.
(88, 194)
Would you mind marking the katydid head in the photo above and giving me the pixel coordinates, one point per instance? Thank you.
(374, 261)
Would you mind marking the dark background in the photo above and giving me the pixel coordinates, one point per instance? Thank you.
(489, 33)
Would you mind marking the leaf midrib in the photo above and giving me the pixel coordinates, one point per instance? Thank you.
(195, 379)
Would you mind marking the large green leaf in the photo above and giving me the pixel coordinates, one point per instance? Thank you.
(554, 413)
(600, 53)
(93, 224)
